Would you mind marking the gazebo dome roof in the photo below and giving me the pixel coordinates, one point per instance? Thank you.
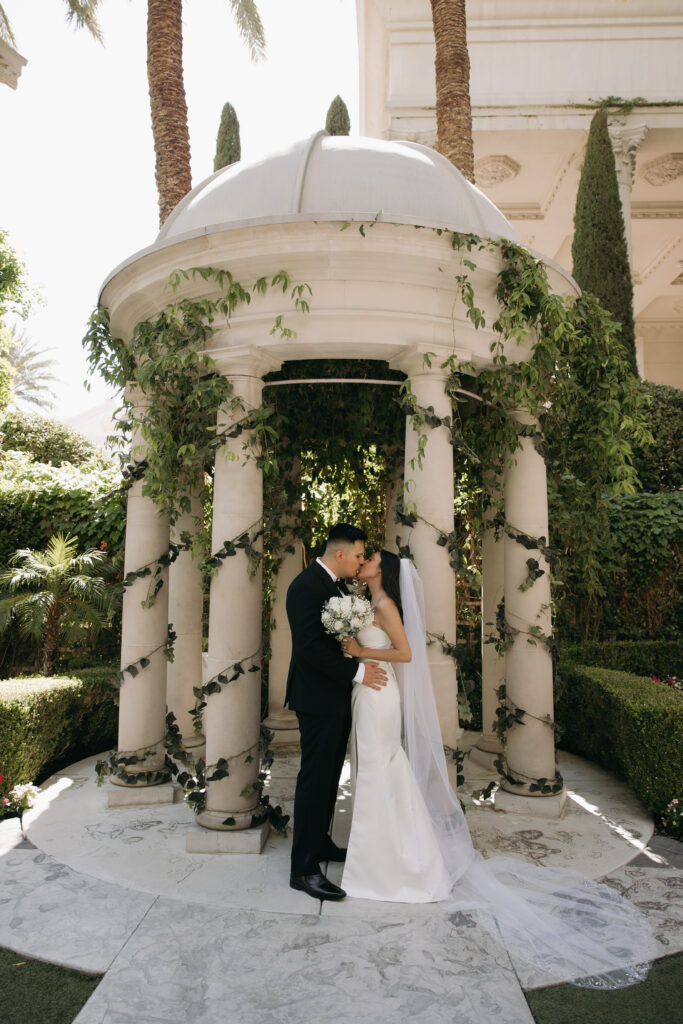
(338, 178)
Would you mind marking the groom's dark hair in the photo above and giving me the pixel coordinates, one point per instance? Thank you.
(345, 533)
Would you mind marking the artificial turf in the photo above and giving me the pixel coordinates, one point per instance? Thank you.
(33, 992)
(657, 1000)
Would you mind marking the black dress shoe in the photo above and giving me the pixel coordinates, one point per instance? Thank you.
(331, 851)
(317, 886)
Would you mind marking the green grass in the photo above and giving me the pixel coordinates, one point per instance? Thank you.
(34, 992)
(657, 1000)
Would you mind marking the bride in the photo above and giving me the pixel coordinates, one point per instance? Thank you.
(410, 842)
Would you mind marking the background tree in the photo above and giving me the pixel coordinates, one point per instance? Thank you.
(82, 12)
(228, 148)
(601, 263)
(167, 91)
(338, 121)
(55, 594)
(452, 67)
(32, 376)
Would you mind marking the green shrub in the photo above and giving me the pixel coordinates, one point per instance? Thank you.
(631, 725)
(338, 121)
(660, 465)
(48, 440)
(46, 722)
(38, 500)
(228, 147)
(601, 263)
(639, 657)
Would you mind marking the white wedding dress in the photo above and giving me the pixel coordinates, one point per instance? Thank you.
(393, 853)
(410, 841)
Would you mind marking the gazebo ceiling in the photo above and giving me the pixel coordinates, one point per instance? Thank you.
(338, 178)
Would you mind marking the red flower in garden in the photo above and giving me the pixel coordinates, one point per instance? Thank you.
(1, 779)
(103, 545)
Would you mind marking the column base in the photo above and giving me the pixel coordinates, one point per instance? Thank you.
(485, 751)
(195, 744)
(284, 726)
(531, 806)
(140, 796)
(216, 820)
(483, 758)
(248, 840)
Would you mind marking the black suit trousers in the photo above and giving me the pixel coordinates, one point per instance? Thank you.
(323, 749)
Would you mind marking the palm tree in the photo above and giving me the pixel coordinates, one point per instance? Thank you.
(55, 595)
(32, 378)
(83, 12)
(452, 65)
(167, 91)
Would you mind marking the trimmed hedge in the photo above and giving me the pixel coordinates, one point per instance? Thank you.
(639, 657)
(46, 722)
(629, 724)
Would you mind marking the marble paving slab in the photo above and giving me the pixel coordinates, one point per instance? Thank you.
(604, 825)
(52, 913)
(658, 892)
(245, 967)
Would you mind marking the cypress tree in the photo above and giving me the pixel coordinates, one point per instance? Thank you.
(599, 252)
(338, 121)
(228, 149)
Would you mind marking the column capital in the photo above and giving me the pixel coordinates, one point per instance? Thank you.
(626, 140)
(134, 394)
(244, 361)
(411, 360)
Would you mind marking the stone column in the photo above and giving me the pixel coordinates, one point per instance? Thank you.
(626, 140)
(142, 707)
(488, 747)
(185, 606)
(529, 668)
(430, 489)
(392, 529)
(281, 721)
(232, 716)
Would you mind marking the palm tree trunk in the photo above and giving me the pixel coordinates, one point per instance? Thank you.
(167, 101)
(51, 639)
(452, 66)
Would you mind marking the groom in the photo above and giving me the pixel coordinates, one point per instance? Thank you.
(319, 690)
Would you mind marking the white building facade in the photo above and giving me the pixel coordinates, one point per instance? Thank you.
(537, 70)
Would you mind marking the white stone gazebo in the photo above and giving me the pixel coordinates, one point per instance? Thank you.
(387, 293)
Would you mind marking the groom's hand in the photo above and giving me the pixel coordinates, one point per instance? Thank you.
(375, 677)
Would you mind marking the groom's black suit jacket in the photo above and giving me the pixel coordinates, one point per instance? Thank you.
(320, 677)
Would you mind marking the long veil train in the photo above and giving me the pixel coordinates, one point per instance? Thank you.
(553, 920)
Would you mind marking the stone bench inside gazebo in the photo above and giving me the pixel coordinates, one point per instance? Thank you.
(387, 293)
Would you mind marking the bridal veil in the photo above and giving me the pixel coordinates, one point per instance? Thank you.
(556, 924)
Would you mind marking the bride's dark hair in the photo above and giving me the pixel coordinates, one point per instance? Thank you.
(390, 566)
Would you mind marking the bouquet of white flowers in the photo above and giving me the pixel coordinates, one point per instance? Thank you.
(346, 616)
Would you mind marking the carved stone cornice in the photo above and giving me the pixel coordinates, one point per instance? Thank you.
(11, 64)
(625, 143)
(425, 136)
(663, 169)
(494, 169)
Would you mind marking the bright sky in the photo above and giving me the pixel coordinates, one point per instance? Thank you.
(77, 190)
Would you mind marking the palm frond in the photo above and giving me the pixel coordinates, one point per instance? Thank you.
(83, 12)
(31, 612)
(6, 32)
(250, 27)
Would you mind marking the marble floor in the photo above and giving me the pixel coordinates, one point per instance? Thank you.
(198, 938)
